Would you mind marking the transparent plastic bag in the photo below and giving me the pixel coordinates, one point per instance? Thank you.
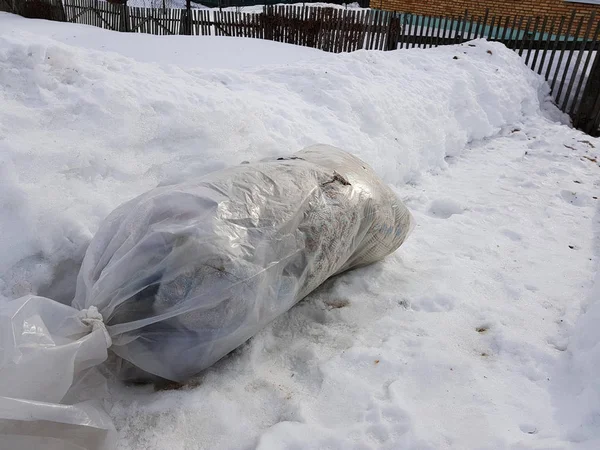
(180, 276)
(48, 356)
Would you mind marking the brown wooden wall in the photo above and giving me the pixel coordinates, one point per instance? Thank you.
(551, 8)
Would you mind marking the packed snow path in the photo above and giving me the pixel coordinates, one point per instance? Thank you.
(471, 336)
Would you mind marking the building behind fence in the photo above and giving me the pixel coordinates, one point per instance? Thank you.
(562, 49)
(542, 8)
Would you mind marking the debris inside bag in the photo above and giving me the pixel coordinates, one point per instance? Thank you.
(186, 273)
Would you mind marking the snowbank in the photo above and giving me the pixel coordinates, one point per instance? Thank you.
(457, 342)
(84, 130)
(210, 52)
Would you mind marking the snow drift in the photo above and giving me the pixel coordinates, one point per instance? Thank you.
(84, 131)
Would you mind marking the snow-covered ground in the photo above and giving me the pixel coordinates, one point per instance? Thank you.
(479, 333)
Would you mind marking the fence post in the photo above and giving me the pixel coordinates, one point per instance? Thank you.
(393, 34)
(62, 16)
(268, 17)
(124, 25)
(588, 115)
(188, 21)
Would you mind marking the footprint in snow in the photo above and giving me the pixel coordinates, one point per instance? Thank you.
(512, 235)
(574, 198)
(444, 208)
(528, 428)
(434, 303)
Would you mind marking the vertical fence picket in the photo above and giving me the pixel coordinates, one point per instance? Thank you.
(532, 40)
(324, 32)
(588, 112)
(481, 31)
(376, 28)
(555, 47)
(385, 18)
(426, 33)
(562, 50)
(421, 32)
(477, 27)
(575, 70)
(248, 22)
(356, 27)
(466, 35)
(366, 18)
(295, 24)
(524, 37)
(587, 62)
(364, 33)
(491, 29)
(402, 35)
(406, 22)
(450, 22)
(372, 31)
(468, 29)
(514, 32)
(504, 30)
(538, 42)
(337, 35)
(546, 46)
(383, 30)
(339, 31)
(569, 58)
(321, 21)
(503, 39)
(413, 29)
(349, 31)
(438, 32)
(230, 23)
(441, 31)
(308, 15)
(459, 27)
(331, 31)
(436, 28)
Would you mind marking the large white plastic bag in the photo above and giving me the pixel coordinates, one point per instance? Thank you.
(186, 273)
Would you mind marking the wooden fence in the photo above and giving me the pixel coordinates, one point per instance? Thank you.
(563, 49)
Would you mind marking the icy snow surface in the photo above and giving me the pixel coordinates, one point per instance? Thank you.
(479, 333)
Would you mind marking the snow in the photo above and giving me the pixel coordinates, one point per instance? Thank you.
(183, 51)
(479, 333)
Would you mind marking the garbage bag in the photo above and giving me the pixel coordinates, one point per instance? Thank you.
(180, 276)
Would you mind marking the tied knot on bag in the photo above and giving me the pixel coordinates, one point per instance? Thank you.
(91, 316)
